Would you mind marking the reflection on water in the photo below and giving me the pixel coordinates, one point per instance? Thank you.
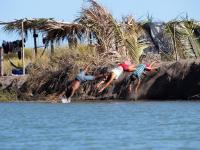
(117, 125)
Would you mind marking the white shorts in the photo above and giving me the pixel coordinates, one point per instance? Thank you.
(117, 71)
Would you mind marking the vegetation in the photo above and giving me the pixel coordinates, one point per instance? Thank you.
(11, 60)
(183, 37)
(7, 96)
(96, 36)
(97, 28)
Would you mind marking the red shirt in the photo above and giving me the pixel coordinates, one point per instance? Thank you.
(124, 66)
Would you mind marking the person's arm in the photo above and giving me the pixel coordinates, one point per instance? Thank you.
(100, 83)
(86, 68)
(153, 68)
(108, 83)
(153, 63)
(131, 68)
(150, 68)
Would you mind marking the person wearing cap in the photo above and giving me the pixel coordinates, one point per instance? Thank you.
(115, 73)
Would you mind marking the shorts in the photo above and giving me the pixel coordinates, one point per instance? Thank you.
(117, 71)
(84, 78)
(135, 76)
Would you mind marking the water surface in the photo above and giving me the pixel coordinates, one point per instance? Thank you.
(97, 126)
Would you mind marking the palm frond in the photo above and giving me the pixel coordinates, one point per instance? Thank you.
(55, 30)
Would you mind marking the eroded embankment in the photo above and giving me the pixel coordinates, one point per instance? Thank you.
(174, 80)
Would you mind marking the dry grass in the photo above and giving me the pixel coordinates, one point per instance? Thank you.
(50, 74)
(15, 60)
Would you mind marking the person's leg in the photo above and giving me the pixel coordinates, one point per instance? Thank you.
(129, 83)
(68, 93)
(73, 87)
(129, 87)
(111, 78)
(137, 86)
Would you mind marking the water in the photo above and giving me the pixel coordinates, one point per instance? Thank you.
(99, 126)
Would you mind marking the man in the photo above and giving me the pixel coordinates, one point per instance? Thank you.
(75, 84)
(115, 74)
(137, 74)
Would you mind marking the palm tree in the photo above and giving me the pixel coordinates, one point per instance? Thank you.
(111, 36)
(182, 34)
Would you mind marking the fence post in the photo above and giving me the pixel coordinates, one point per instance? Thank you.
(52, 47)
(1, 63)
(174, 40)
(23, 47)
(35, 41)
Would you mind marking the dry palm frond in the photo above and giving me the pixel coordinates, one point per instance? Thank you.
(29, 25)
(182, 33)
(102, 26)
(131, 32)
(54, 30)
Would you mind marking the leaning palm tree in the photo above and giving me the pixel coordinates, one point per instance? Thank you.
(101, 26)
(109, 35)
(131, 32)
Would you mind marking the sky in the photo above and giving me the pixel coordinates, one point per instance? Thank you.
(68, 10)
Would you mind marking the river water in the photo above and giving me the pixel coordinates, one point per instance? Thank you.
(99, 126)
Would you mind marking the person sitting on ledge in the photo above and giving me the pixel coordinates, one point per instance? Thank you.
(115, 74)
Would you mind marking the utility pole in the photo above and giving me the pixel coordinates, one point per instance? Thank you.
(1, 63)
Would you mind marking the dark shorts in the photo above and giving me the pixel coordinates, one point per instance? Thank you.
(133, 79)
(135, 76)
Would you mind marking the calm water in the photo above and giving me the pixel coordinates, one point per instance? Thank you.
(117, 125)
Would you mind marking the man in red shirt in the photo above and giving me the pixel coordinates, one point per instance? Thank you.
(115, 73)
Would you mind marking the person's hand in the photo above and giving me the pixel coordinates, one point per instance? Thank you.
(100, 91)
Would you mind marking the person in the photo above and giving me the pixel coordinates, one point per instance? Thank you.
(115, 74)
(137, 74)
(81, 77)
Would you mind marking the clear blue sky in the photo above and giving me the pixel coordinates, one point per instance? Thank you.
(68, 10)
